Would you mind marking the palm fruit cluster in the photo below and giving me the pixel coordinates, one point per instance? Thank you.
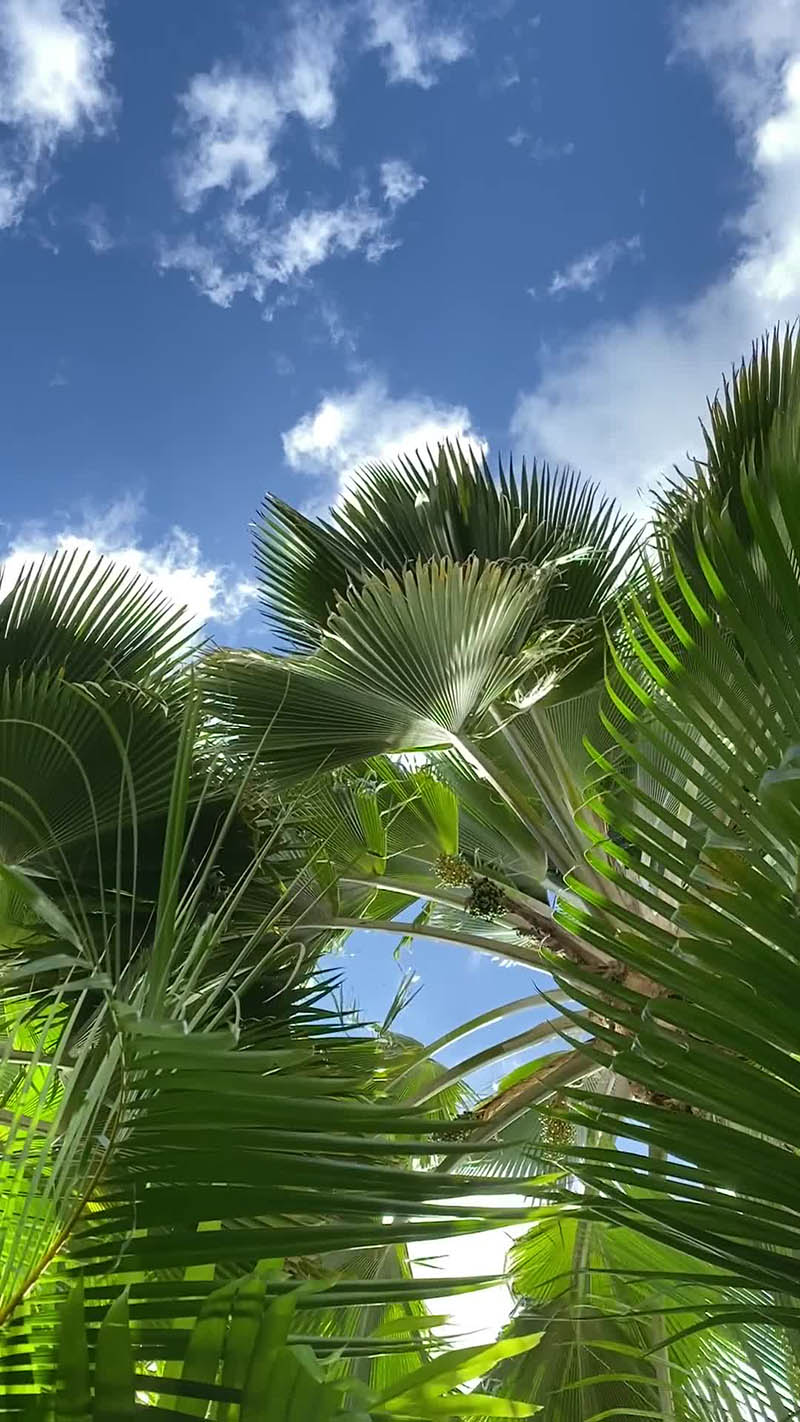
(486, 900)
(454, 871)
(462, 1128)
(556, 1132)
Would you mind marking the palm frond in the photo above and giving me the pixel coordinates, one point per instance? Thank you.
(404, 664)
(90, 620)
(741, 418)
(154, 1155)
(703, 903)
(442, 504)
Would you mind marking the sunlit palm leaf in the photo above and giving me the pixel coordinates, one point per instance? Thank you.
(442, 504)
(90, 620)
(710, 917)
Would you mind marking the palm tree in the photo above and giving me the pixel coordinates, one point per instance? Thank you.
(700, 1153)
(439, 611)
(198, 1159)
(171, 1172)
(710, 866)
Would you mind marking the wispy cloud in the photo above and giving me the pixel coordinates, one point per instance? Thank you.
(399, 181)
(336, 328)
(232, 120)
(175, 564)
(53, 87)
(232, 125)
(248, 253)
(591, 269)
(623, 400)
(289, 251)
(349, 427)
(96, 227)
(412, 45)
(507, 74)
(541, 150)
(207, 267)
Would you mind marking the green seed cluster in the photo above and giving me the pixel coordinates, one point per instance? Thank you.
(462, 1128)
(486, 900)
(556, 1132)
(454, 871)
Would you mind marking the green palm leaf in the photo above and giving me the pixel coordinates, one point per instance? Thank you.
(433, 507)
(709, 914)
(406, 662)
(90, 620)
(154, 1153)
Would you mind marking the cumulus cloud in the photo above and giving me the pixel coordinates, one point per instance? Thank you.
(399, 181)
(53, 57)
(351, 427)
(412, 45)
(175, 564)
(589, 270)
(622, 401)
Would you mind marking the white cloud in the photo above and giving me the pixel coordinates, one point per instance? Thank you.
(98, 232)
(744, 45)
(349, 428)
(622, 400)
(288, 252)
(175, 564)
(412, 45)
(53, 55)
(541, 150)
(246, 253)
(399, 181)
(204, 267)
(233, 120)
(336, 328)
(232, 124)
(593, 267)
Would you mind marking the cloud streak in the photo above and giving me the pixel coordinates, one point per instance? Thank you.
(592, 269)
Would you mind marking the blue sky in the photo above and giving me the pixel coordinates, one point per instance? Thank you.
(246, 245)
